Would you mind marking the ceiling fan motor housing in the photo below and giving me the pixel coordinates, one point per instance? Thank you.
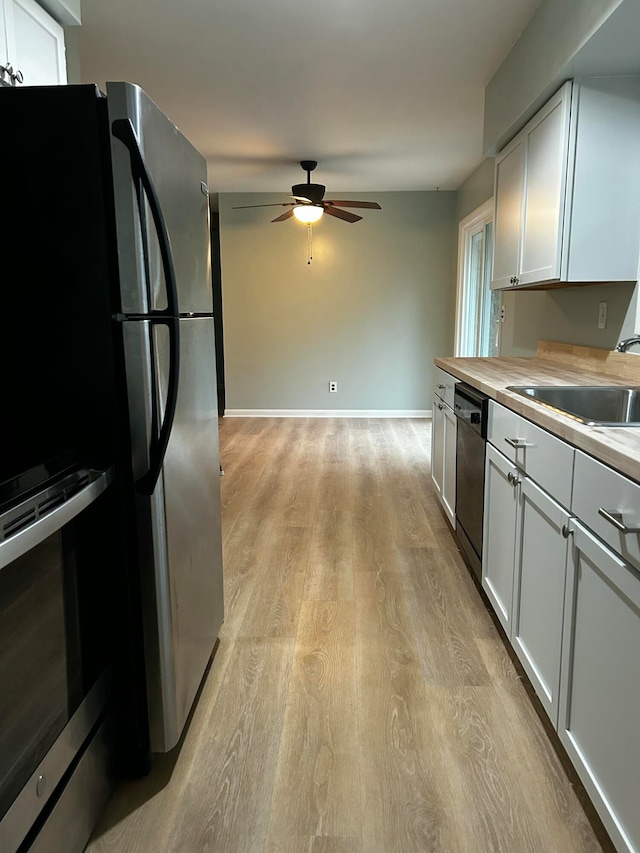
(314, 192)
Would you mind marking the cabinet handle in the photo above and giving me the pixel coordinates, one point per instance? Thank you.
(518, 443)
(566, 531)
(615, 517)
(513, 479)
(18, 77)
(514, 279)
(441, 387)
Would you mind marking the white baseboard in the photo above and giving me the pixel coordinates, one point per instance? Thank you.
(327, 413)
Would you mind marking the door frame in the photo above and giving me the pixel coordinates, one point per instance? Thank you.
(472, 223)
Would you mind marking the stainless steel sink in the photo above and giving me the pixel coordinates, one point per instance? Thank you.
(594, 405)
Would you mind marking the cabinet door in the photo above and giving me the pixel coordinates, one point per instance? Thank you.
(546, 146)
(600, 690)
(4, 53)
(35, 43)
(541, 555)
(448, 494)
(437, 445)
(499, 534)
(509, 185)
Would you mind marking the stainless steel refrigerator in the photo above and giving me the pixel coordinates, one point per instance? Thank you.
(161, 209)
(110, 227)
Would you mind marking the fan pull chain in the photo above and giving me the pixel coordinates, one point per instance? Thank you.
(309, 243)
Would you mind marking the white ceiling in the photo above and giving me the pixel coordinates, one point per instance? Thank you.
(385, 94)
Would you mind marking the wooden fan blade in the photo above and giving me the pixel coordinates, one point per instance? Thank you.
(277, 204)
(341, 214)
(372, 205)
(283, 216)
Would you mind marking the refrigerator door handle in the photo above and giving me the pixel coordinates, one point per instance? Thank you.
(147, 483)
(123, 130)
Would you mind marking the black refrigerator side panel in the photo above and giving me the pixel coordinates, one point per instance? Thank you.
(61, 349)
(59, 391)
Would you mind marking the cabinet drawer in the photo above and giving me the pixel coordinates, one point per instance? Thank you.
(598, 487)
(444, 385)
(546, 459)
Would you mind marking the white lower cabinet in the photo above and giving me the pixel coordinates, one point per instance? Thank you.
(443, 456)
(569, 602)
(499, 533)
(523, 565)
(600, 689)
(538, 608)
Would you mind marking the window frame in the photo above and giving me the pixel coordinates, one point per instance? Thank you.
(468, 227)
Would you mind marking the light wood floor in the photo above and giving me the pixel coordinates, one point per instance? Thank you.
(360, 700)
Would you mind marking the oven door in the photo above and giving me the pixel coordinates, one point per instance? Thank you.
(49, 664)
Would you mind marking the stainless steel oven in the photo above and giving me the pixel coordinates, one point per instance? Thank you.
(471, 408)
(53, 647)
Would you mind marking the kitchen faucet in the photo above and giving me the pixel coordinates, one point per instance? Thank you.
(624, 345)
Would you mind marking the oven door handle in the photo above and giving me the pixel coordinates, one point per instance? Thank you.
(49, 523)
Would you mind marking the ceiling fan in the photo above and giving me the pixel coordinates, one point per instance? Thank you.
(308, 205)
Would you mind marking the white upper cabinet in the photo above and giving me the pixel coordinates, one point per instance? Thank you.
(567, 189)
(35, 53)
(4, 51)
(508, 215)
(542, 218)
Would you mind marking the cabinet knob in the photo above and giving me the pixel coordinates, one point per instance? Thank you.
(566, 531)
(440, 406)
(18, 77)
(513, 479)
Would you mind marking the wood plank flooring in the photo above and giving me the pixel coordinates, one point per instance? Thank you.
(361, 700)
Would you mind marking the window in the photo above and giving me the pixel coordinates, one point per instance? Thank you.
(478, 307)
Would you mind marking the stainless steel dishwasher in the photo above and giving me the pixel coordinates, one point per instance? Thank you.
(471, 408)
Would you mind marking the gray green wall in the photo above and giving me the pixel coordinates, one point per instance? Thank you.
(567, 315)
(72, 49)
(371, 312)
(557, 44)
(476, 189)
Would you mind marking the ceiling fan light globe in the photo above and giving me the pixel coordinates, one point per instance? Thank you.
(308, 213)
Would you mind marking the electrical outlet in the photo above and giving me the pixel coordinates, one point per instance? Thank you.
(502, 312)
(333, 387)
(602, 315)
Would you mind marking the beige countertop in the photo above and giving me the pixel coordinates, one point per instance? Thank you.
(618, 447)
